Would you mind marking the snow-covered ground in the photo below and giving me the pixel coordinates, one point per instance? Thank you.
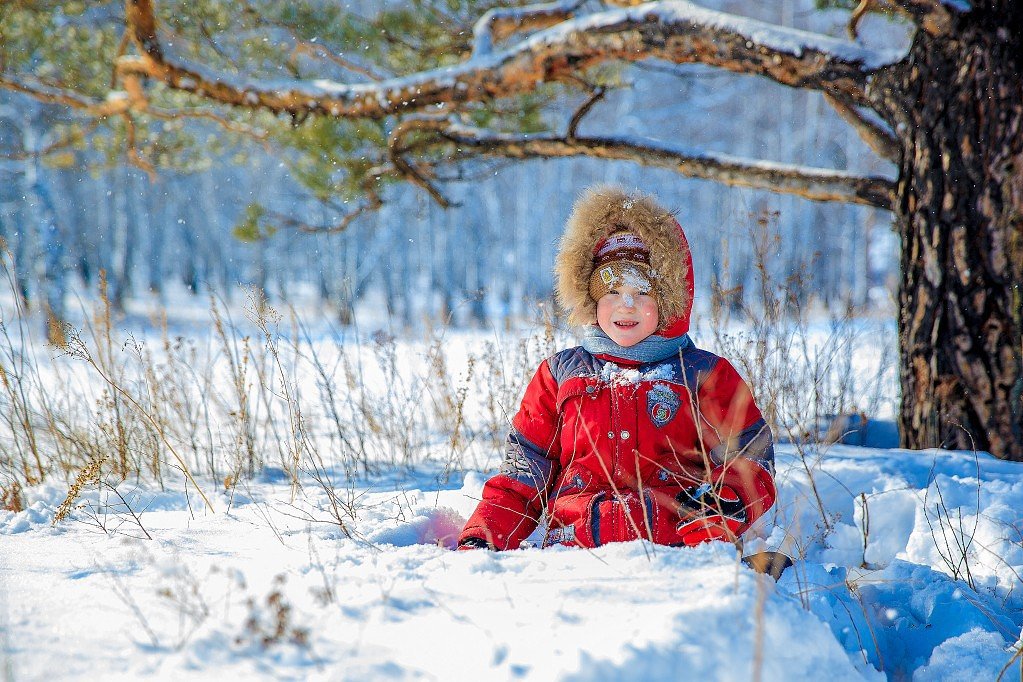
(908, 564)
(912, 570)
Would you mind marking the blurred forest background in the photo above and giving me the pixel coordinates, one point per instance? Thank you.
(187, 205)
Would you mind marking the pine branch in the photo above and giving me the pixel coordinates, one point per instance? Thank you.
(677, 32)
(115, 104)
(118, 103)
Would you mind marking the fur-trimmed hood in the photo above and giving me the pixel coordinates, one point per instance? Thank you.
(602, 210)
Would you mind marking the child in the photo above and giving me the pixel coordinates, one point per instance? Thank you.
(637, 433)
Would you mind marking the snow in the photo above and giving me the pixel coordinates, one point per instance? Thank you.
(205, 597)
(615, 375)
(908, 565)
(483, 40)
(631, 277)
(781, 39)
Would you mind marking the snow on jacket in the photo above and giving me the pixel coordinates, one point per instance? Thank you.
(604, 449)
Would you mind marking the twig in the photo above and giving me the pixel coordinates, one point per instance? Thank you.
(134, 157)
(302, 47)
(404, 167)
(857, 15)
(131, 511)
(373, 203)
(418, 177)
(882, 142)
(580, 113)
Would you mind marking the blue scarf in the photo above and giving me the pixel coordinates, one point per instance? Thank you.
(651, 349)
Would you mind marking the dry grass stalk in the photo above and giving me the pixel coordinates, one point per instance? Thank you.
(11, 499)
(89, 474)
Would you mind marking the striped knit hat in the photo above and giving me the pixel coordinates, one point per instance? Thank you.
(621, 258)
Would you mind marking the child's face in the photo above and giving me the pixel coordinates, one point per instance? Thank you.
(627, 315)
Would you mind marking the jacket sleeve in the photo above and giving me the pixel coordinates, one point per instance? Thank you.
(737, 440)
(513, 499)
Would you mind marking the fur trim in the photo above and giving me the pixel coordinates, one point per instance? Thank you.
(604, 209)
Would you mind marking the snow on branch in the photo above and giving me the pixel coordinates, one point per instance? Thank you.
(817, 184)
(678, 32)
(500, 23)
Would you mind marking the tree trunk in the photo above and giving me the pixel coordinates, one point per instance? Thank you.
(960, 219)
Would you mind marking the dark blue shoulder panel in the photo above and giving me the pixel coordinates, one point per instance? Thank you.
(697, 364)
(572, 362)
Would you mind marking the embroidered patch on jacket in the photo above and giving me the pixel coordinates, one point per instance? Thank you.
(661, 404)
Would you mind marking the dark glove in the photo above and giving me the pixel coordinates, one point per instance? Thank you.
(707, 512)
(473, 543)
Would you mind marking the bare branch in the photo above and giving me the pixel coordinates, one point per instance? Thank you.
(134, 157)
(877, 137)
(315, 49)
(416, 176)
(816, 184)
(577, 117)
(933, 16)
(500, 23)
(852, 29)
(140, 23)
(257, 134)
(122, 46)
(373, 203)
(404, 167)
(677, 32)
(70, 139)
(116, 102)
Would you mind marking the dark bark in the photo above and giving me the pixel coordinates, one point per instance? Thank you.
(959, 118)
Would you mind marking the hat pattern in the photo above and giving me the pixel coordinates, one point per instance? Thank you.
(621, 259)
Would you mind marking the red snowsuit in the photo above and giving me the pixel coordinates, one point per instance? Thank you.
(611, 455)
(605, 448)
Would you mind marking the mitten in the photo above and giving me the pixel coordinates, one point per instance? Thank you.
(708, 512)
(473, 543)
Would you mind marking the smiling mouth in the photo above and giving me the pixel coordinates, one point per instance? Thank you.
(626, 324)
